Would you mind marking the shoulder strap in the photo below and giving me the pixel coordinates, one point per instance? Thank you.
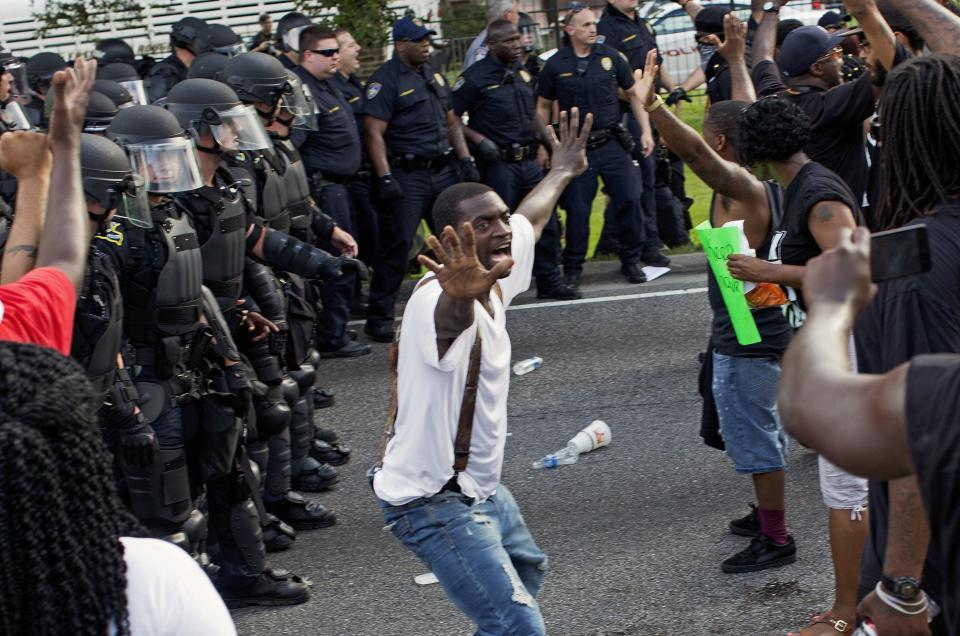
(461, 448)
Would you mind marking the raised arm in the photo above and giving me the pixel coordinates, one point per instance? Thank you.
(724, 177)
(878, 32)
(568, 159)
(765, 37)
(66, 232)
(26, 156)
(857, 421)
(938, 26)
(732, 49)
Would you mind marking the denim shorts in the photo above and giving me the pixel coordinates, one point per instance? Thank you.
(745, 391)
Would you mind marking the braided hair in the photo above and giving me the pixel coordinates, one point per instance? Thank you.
(919, 138)
(61, 561)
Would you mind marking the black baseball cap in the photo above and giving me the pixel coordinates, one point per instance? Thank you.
(831, 19)
(710, 19)
(805, 45)
(409, 28)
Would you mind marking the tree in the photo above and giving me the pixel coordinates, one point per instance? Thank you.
(368, 21)
(86, 18)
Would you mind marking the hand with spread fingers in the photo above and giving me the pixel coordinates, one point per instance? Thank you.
(734, 44)
(569, 151)
(459, 272)
(646, 84)
(259, 326)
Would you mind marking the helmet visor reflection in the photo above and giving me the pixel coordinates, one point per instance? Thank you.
(168, 166)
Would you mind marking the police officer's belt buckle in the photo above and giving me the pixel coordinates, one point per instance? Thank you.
(519, 152)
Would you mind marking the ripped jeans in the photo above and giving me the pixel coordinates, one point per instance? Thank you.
(482, 554)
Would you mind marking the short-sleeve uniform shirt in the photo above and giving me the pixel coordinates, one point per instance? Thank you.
(590, 83)
(499, 99)
(414, 103)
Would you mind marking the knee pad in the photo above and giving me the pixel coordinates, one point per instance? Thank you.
(273, 412)
(160, 492)
(305, 377)
(291, 390)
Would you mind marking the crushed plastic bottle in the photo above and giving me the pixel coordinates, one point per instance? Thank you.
(567, 455)
(526, 366)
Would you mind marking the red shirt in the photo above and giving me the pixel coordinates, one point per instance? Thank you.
(39, 309)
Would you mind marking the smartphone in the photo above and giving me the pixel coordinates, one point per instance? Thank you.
(898, 253)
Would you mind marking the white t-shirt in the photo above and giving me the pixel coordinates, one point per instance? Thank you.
(168, 594)
(419, 457)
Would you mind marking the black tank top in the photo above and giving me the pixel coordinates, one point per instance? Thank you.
(774, 329)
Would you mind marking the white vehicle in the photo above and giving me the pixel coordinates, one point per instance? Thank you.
(675, 31)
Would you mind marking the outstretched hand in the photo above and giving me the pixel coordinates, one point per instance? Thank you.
(646, 81)
(734, 44)
(71, 92)
(459, 272)
(569, 152)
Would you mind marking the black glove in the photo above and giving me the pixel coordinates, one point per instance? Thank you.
(334, 268)
(676, 95)
(468, 170)
(389, 188)
(138, 443)
(488, 151)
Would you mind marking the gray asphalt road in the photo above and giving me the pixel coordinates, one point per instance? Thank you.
(635, 532)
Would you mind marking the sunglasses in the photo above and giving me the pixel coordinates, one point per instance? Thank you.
(325, 52)
(835, 53)
(572, 10)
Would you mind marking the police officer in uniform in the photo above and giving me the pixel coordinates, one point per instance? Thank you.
(621, 28)
(163, 75)
(590, 76)
(161, 270)
(498, 94)
(410, 127)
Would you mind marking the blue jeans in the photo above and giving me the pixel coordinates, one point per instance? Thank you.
(745, 391)
(482, 554)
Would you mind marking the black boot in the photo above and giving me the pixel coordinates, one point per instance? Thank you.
(277, 535)
(300, 512)
(327, 453)
(316, 477)
(272, 588)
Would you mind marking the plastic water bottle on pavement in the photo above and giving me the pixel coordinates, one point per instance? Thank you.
(567, 455)
(526, 366)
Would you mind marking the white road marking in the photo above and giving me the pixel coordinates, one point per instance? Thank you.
(589, 301)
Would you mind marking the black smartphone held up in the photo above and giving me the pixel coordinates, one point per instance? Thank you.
(898, 253)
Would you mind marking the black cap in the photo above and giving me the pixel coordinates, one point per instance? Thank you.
(804, 46)
(831, 19)
(710, 19)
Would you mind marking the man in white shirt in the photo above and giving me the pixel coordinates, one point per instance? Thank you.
(463, 523)
(496, 10)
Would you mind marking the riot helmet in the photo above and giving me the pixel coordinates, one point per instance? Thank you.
(207, 66)
(298, 103)
(113, 51)
(202, 105)
(100, 112)
(118, 94)
(160, 150)
(257, 77)
(184, 32)
(219, 38)
(109, 181)
(288, 31)
(41, 69)
(529, 32)
(127, 76)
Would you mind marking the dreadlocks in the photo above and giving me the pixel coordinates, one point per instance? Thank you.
(61, 562)
(919, 138)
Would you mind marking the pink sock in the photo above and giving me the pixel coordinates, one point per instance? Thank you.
(773, 524)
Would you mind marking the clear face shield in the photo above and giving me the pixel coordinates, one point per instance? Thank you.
(230, 50)
(168, 166)
(14, 118)
(137, 91)
(127, 197)
(237, 129)
(291, 39)
(530, 37)
(299, 103)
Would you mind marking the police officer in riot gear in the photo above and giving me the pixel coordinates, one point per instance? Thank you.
(125, 75)
(100, 112)
(120, 96)
(288, 38)
(212, 111)
(498, 94)
(219, 38)
(40, 70)
(162, 274)
(207, 66)
(163, 75)
(417, 150)
(113, 51)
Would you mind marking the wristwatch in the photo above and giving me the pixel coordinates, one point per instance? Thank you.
(771, 7)
(905, 588)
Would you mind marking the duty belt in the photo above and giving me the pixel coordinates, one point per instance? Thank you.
(598, 138)
(413, 162)
(515, 153)
(336, 178)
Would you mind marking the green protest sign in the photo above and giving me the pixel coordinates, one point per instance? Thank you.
(718, 244)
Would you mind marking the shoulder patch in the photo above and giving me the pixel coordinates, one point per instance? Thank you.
(439, 79)
(373, 89)
(113, 234)
(601, 39)
(606, 62)
(459, 83)
(240, 156)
